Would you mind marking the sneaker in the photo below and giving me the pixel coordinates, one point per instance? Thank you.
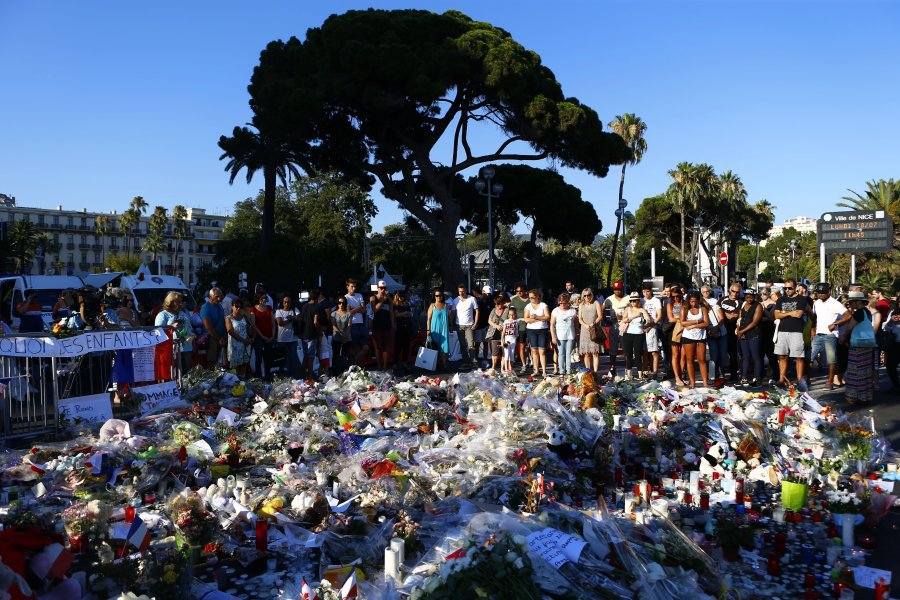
(801, 386)
(744, 381)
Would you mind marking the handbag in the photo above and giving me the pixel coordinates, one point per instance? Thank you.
(597, 333)
(677, 331)
(863, 336)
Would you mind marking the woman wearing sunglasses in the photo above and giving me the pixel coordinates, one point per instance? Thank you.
(439, 325)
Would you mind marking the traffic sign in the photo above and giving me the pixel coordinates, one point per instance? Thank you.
(856, 231)
(723, 259)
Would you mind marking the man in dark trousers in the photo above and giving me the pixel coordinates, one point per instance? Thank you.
(731, 306)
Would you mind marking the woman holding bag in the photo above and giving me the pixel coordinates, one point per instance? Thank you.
(589, 316)
(636, 321)
(674, 309)
(495, 329)
(695, 320)
(861, 336)
(439, 326)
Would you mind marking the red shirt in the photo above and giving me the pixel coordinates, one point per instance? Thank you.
(263, 320)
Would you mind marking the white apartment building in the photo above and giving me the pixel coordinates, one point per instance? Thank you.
(801, 224)
(83, 250)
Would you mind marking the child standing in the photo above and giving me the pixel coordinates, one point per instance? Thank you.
(510, 337)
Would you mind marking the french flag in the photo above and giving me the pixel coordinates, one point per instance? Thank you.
(356, 408)
(349, 589)
(139, 535)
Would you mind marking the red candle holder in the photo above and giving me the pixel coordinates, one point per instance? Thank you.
(774, 568)
(262, 535)
(129, 514)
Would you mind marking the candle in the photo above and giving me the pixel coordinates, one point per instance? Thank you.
(645, 490)
(704, 500)
(739, 491)
(695, 483)
(398, 545)
(262, 535)
(129, 514)
(336, 489)
(778, 514)
(391, 565)
(774, 567)
(882, 590)
(847, 527)
(629, 503)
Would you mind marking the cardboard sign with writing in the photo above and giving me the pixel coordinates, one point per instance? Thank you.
(142, 359)
(95, 409)
(159, 397)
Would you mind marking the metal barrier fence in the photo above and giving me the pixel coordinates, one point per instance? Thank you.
(31, 388)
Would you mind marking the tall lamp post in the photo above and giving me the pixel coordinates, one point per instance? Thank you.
(485, 187)
(698, 221)
(756, 241)
(625, 218)
(793, 257)
(619, 212)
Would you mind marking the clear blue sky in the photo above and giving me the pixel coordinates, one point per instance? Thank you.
(101, 101)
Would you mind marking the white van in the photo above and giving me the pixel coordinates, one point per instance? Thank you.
(146, 289)
(48, 288)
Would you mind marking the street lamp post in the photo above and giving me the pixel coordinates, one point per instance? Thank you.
(620, 220)
(756, 241)
(625, 217)
(698, 221)
(793, 258)
(486, 188)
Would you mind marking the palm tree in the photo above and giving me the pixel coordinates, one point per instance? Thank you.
(631, 129)
(180, 231)
(23, 238)
(101, 228)
(126, 223)
(255, 151)
(734, 195)
(879, 195)
(136, 208)
(685, 192)
(156, 242)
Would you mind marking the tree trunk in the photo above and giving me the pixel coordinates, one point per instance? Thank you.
(451, 268)
(682, 234)
(268, 218)
(612, 259)
(535, 261)
(175, 258)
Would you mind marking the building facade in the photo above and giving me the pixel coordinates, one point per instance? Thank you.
(801, 224)
(83, 249)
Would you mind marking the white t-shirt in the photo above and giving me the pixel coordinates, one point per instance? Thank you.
(355, 301)
(465, 310)
(537, 311)
(618, 306)
(827, 312)
(653, 307)
(565, 323)
(286, 332)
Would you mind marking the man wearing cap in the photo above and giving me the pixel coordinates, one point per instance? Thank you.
(791, 308)
(829, 315)
(731, 308)
(613, 308)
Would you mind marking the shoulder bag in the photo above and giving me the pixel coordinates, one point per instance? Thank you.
(863, 335)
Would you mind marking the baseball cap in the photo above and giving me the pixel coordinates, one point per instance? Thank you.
(749, 292)
(487, 290)
(382, 284)
(617, 285)
(823, 287)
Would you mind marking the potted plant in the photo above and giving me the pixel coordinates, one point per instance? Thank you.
(732, 534)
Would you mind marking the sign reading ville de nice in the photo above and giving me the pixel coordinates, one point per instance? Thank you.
(856, 231)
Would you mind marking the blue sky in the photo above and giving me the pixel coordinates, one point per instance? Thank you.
(101, 101)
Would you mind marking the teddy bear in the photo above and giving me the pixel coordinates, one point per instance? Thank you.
(711, 461)
(558, 443)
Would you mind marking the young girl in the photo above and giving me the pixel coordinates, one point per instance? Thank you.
(510, 337)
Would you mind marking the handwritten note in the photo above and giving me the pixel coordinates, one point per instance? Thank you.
(143, 364)
(556, 547)
(95, 409)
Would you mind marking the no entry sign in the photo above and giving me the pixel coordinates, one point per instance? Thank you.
(723, 259)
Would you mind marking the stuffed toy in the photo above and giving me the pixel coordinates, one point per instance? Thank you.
(712, 461)
(559, 444)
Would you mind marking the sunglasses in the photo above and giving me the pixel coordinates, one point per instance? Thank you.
(635, 299)
(438, 295)
(788, 288)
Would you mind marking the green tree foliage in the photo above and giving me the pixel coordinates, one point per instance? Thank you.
(319, 231)
(407, 251)
(180, 230)
(261, 150)
(632, 129)
(23, 239)
(156, 236)
(130, 219)
(101, 228)
(554, 208)
(123, 262)
(372, 94)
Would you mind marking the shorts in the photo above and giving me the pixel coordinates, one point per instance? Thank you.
(522, 337)
(309, 348)
(826, 343)
(790, 343)
(537, 338)
(384, 339)
(359, 334)
(652, 337)
(496, 348)
(688, 341)
(478, 336)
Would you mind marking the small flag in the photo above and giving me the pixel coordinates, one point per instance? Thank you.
(95, 463)
(356, 408)
(349, 588)
(306, 592)
(344, 419)
(139, 535)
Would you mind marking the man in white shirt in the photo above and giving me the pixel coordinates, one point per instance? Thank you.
(359, 332)
(653, 306)
(830, 314)
(467, 312)
(614, 307)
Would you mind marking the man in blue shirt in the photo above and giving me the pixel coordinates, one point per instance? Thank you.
(213, 316)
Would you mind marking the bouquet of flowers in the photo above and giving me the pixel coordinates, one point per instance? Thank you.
(62, 330)
(497, 568)
(86, 518)
(846, 502)
(190, 515)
